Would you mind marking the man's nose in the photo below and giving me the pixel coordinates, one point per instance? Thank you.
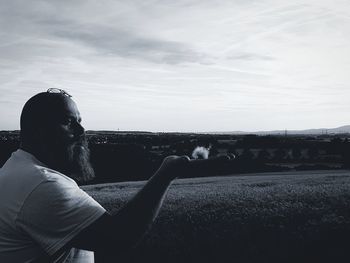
(79, 129)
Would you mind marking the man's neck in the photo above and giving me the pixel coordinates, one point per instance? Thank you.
(39, 155)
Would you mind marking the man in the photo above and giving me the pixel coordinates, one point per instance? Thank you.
(44, 215)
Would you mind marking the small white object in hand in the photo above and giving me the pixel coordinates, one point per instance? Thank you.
(200, 152)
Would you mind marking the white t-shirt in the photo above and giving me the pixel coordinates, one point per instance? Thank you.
(41, 210)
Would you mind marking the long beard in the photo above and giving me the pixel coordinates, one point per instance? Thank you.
(79, 167)
(73, 159)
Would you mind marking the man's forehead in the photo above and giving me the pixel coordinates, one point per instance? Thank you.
(68, 108)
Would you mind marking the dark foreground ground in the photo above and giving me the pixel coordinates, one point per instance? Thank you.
(270, 217)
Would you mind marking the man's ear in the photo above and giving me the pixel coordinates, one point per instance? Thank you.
(40, 135)
(34, 139)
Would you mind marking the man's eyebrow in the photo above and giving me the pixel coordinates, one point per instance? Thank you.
(73, 116)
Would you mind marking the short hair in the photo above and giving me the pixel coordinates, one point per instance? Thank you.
(38, 113)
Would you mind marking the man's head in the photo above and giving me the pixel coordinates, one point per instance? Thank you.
(51, 130)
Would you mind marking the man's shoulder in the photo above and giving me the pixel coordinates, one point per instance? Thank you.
(23, 172)
(20, 177)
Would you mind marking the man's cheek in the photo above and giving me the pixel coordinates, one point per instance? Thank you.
(65, 133)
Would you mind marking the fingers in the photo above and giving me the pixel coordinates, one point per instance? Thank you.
(185, 158)
(175, 166)
(210, 163)
(175, 158)
(171, 157)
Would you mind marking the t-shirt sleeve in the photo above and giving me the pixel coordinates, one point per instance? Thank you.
(55, 212)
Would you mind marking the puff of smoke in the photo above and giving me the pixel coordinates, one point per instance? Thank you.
(200, 152)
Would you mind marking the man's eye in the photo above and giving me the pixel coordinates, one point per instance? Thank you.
(67, 121)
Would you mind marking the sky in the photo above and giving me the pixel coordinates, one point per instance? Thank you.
(184, 66)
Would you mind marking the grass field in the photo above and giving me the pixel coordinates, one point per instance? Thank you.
(268, 217)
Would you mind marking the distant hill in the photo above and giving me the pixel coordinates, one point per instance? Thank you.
(319, 131)
(98, 132)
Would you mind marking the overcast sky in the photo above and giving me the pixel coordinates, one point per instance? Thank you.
(190, 65)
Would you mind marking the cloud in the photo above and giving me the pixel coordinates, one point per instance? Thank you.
(247, 63)
(113, 41)
(249, 56)
(39, 23)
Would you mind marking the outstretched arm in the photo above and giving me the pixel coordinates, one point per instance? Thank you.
(123, 230)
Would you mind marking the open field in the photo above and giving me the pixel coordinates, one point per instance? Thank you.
(269, 217)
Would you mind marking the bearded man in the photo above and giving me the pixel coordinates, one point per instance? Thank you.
(44, 215)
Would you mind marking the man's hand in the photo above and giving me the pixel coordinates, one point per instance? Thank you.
(181, 166)
(209, 167)
(173, 166)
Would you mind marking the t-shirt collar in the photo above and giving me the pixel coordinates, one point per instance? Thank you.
(30, 156)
